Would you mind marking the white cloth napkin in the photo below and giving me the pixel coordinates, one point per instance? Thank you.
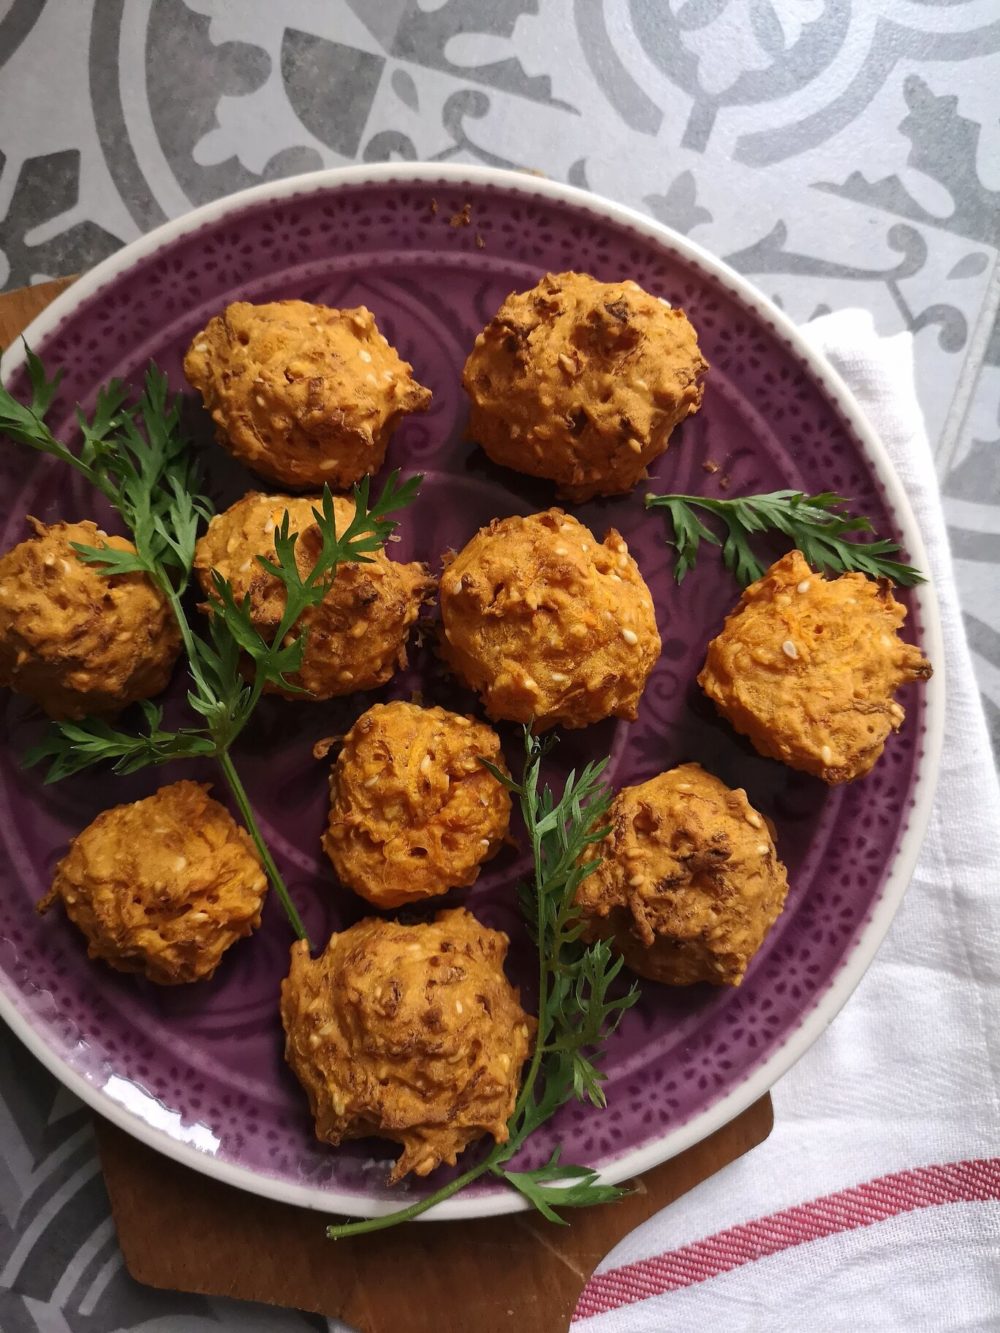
(875, 1203)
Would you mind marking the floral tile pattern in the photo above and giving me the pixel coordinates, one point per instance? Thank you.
(836, 153)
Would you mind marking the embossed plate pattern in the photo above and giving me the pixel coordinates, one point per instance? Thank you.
(198, 1071)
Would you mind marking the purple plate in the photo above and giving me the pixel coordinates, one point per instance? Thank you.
(197, 1071)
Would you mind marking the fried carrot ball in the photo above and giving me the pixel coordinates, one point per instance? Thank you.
(413, 812)
(357, 635)
(806, 667)
(582, 382)
(690, 882)
(545, 622)
(410, 1033)
(162, 886)
(74, 640)
(302, 394)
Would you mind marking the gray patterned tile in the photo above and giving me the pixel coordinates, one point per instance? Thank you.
(46, 187)
(439, 35)
(381, 19)
(18, 20)
(946, 149)
(330, 87)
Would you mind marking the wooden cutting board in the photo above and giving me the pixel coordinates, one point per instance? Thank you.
(19, 308)
(183, 1231)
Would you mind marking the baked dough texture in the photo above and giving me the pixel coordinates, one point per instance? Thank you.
(74, 640)
(547, 623)
(807, 667)
(163, 886)
(690, 882)
(357, 635)
(410, 1033)
(303, 394)
(413, 812)
(582, 382)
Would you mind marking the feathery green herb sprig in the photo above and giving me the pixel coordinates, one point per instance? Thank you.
(137, 457)
(827, 538)
(576, 1010)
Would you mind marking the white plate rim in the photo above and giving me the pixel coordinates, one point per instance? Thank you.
(853, 967)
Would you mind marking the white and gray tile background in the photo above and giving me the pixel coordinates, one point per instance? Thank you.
(836, 152)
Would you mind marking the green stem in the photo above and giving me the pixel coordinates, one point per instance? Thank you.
(531, 822)
(233, 778)
(368, 1224)
(176, 606)
(274, 874)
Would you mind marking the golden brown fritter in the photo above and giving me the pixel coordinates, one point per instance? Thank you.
(73, 640)
(806, 667)
(357, 635)
(411, 1033)
(303, 394)
(413, 812)
(546, 622)
(582, 381)
(690, 882)
(162, 886)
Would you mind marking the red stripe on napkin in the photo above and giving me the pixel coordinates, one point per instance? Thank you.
(860, 1206)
